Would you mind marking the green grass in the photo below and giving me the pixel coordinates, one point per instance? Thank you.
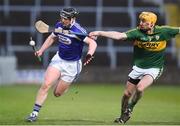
(89, 105)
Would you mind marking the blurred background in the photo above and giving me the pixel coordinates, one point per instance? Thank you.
(113, 60)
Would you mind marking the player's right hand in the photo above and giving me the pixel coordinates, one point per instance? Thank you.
(38, 53)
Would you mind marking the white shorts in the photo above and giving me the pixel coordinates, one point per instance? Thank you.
(138, 73)
(69, 70)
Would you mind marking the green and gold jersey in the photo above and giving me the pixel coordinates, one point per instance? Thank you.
(149, 48)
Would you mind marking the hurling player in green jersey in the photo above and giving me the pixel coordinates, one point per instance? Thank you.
(149, 41)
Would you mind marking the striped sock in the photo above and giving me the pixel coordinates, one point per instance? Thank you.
(36, 107)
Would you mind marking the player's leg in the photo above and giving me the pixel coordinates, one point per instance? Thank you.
(68, 76)
(149, 76)
(132, 82)
(70, 72)
(130, 88)
(61, 87)
(145, 82)
(135, 98)
(51, 75)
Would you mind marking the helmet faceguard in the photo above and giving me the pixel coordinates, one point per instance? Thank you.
(148, 17)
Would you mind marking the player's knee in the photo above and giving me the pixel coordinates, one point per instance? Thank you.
(45, 87)
(140, 88)
(47, 83)
(57, 94)
(127, 94)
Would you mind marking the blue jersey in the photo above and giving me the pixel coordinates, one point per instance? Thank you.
(70, 45)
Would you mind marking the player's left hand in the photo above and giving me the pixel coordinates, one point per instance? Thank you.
(94, 34)
(93, 37)
(88, 59)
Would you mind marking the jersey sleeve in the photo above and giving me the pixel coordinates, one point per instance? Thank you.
(82, 37)
(131, 34)
(170, 32)
(81, 32)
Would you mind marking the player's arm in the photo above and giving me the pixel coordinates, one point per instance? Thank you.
(170, 32)
(47, 43)
(109, 34)
(91, 50)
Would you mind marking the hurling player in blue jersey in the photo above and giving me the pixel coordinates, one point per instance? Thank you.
(66, 64)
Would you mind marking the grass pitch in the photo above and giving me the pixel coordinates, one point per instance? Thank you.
(96, 104)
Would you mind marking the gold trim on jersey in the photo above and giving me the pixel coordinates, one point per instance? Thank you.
(151, 46)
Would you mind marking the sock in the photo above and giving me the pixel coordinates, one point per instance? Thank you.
(124, 104)
(134, 100)
(36, 108)
(131, 105)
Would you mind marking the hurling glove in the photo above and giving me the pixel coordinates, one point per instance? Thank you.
(88, 59)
